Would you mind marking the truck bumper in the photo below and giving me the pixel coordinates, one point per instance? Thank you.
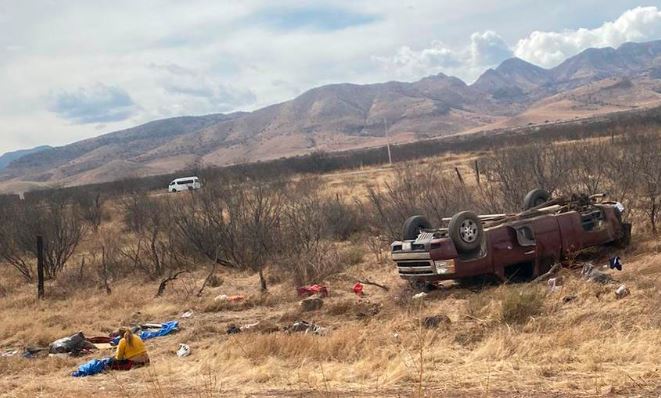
(420, 266)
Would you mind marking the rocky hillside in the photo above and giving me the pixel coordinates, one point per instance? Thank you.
(346, 116)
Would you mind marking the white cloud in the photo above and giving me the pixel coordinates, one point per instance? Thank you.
(485, 49)
(488, 48)
(551, 48)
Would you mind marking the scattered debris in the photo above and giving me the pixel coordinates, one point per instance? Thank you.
(592, 274)
(75, 345)
(433, 322)
(420, 296)
(183, 351)
(261, 326)
(622, 292)
(615, 263)
(100, 339)
(555, 284)
(8, 353)
(311, 304)
(187, 314)
(95, 366)
(33, 352)
(150, 333)
(233, 329)
(358, 289)
(232, 299)
(306, 327)
(151, 326)
(310, 290)
(569, 298)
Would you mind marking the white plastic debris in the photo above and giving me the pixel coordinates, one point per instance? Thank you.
(221, 298)
(187, 314)
(622, 292)
(554, 284)
(420, 296)
(183, 351)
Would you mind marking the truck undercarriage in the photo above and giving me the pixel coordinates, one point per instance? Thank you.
(548, 230)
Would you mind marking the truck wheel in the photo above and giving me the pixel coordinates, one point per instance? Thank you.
(535, 198)
(413, 225)
(466, 232)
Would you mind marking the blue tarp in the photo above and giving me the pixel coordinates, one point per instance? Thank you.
(167, 328)
(95, 366)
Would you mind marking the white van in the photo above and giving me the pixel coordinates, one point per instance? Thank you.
(184, 184)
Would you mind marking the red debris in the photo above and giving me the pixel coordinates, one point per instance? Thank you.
(358, 289)
(312, 290)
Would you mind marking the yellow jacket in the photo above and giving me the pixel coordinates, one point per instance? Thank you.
(135, 349)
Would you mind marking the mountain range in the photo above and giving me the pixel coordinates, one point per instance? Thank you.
(347, 116)
(9, 157)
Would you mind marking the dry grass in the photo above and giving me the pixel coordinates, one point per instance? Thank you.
(512, 339)
(502, 340)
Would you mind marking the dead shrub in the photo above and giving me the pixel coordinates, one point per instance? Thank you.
(477, 305)
(215, 281)
(351, 255)
(472, 335)
(519, 304)
(57, 220)
(340, 220)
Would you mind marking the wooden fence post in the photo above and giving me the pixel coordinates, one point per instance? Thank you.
(477, 172)
(461, 179)
(40, 267)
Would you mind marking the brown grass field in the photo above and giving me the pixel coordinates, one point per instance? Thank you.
(510, 340)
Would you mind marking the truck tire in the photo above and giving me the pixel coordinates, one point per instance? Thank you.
(535, 198)
(413, 225)
(465, 230)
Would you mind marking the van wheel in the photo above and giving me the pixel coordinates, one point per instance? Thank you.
(465, 230)
(535, 198)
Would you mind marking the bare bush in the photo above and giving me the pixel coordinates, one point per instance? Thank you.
(429, 190)
(11, 249)
(91, 207)
(520, 169)
(340, 220)
(236, 223)
(306, 255)
(156, 250)
(643, 155)
(58, 221)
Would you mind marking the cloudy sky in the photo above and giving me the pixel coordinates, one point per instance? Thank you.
(73, 69)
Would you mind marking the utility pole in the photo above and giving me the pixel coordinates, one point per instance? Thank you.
(385, 126)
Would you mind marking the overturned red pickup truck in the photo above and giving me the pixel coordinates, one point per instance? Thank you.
(506, 244)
